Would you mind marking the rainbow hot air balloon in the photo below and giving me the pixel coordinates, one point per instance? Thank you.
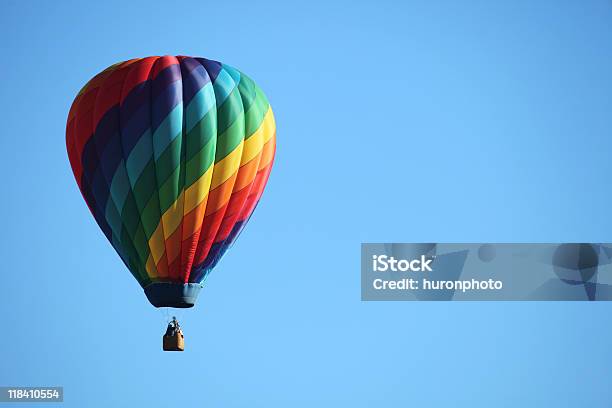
(172, 155)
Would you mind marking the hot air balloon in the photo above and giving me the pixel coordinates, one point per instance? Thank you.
(171, 155)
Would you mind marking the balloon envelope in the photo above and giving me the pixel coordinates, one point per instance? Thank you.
(171, 155)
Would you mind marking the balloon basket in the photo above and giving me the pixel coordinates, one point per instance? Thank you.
(175, 342)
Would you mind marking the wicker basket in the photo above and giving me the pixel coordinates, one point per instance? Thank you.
(175, 342)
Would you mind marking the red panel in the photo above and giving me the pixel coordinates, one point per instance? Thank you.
(110, 93)
(162, 63)
(139, 73)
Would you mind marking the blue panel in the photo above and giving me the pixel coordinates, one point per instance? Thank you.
(168, 294)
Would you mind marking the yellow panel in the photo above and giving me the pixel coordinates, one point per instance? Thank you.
(227, 167)
(197, 192)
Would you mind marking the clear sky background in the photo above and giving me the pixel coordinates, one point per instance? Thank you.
(444, 121)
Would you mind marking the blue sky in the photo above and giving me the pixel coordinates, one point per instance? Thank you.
(441, 121)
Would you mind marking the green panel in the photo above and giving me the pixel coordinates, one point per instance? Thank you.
(198, 165)
(201, 134)
(230, 139)
(229, 112)
(168, 191)
(257, 112)
(247, 91)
